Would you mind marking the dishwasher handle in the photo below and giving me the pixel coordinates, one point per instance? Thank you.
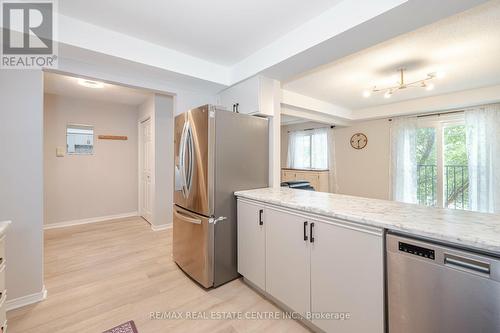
(467, 264)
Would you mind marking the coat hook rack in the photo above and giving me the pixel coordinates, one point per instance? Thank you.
(112, 137)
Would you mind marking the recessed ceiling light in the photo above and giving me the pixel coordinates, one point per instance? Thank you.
(388, 94)
(429, 86)
(90, 83)
(367, 93)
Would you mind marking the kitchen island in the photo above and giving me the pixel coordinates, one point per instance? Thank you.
(321, 253)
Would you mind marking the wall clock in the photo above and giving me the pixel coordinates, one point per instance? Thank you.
(359, 141)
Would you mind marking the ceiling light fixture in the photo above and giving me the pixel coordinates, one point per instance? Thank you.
(90, 83)
(423, 83)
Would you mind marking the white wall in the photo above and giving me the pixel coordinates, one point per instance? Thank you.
(160, 109)
(21, 178)
(364, 172)
(89, 186)
(164, 160)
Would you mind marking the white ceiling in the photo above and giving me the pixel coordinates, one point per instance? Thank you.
(63, 85)
(465, 46)
(220, 31)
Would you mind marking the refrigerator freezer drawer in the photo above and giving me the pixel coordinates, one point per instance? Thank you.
(193, 245)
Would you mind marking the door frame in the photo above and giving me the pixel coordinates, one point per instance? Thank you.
(141, 121)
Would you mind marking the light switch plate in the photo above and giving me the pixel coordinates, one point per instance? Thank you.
(60, 152)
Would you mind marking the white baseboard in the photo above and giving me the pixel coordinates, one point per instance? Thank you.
(161, 227)
(89, 220)
(19, 302)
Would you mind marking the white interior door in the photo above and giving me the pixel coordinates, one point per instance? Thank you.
(145, 164)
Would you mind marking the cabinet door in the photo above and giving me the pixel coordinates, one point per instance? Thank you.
(324, 182)
(245, 93)
(251, 243)
(298, 175)
(347, 276)
(287, 260)
(288, 175)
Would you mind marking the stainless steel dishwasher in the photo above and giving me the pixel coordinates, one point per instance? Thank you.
(434, 288)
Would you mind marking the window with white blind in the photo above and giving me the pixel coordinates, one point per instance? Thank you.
(308, 149)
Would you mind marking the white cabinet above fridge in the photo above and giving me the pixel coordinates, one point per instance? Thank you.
(253, 96)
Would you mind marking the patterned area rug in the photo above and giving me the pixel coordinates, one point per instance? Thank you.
(128, 327)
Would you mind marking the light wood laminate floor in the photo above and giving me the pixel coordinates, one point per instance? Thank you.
(103, 274)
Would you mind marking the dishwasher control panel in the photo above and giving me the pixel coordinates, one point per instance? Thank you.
(417, 250)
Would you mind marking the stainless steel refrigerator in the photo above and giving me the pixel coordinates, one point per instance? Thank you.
(217, 152)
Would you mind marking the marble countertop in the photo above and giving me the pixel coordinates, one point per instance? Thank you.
(3, 227)
(470, 229)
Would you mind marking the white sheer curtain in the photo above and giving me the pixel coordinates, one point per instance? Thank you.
(332, 178)
(308, 149)
(313, 149)
(319, 148)
(296, 148)
(403, 159)
(483, 153)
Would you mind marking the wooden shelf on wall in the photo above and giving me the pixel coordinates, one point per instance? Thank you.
(112, 137)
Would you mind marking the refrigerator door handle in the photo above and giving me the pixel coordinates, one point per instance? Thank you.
(215, 220)
(190, 145)
(186, 218)
(182, 159)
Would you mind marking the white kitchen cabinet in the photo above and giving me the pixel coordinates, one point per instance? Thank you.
(253, 96)
(251, 243)
(347, 275)
(339, 271)
(287, 259)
